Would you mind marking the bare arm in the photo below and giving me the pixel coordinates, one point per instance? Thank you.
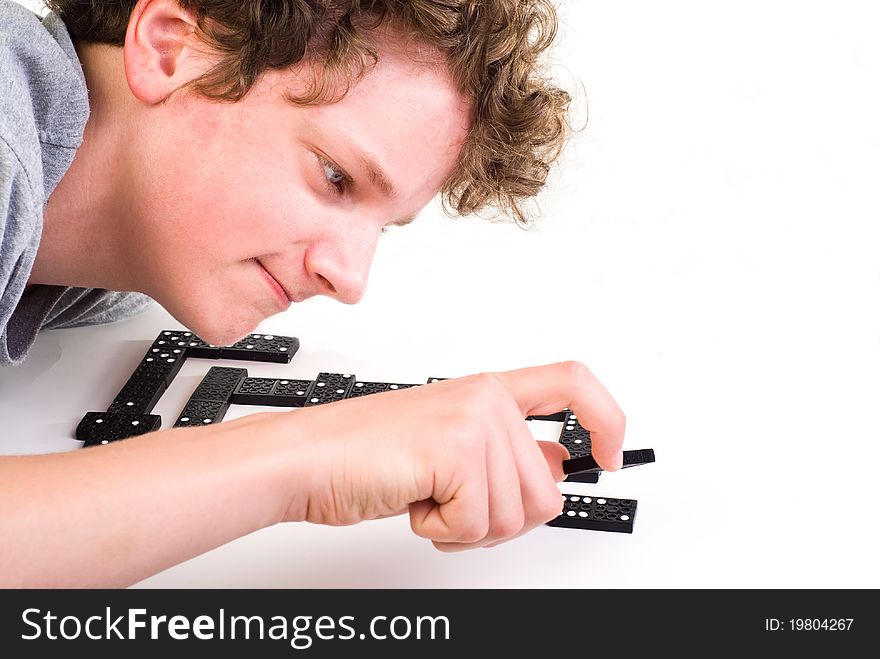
(457, 455)
(116, 514)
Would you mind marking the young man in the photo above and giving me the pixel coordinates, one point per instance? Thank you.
(227, 159)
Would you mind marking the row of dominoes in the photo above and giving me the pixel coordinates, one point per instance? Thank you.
(129, 413)
(223, 387)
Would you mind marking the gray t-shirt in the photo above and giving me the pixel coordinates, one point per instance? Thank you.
(43, 111)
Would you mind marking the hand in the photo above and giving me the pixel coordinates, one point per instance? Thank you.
(457, 454)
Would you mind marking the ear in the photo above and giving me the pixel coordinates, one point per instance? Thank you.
(159, 51)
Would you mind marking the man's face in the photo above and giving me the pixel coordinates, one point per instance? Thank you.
(239, 205)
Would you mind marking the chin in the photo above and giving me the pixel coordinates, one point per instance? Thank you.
(220, 332)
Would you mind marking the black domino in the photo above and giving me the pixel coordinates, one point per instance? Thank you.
(291, 393)
(219, 383)
(571, 433)
(165, 346)
(366, 388)
(583, 477)
(262, 348)
(431, 380)
(574, 436)
(586, 463)
(138, 396)
(201, 413)
(596, 514)
(329, 388)
(271, 391)
(576, 439)
(160, 364)
(194, 346)
(638, 457)
(98, 428)
(254, 391)
(211, 399)
(253, 347)
(559, 416)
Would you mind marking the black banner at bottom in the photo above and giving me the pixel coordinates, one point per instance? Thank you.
(315, 623)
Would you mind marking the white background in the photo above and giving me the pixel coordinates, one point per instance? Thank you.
(709, 249)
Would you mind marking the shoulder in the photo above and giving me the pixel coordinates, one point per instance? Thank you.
(21, 220)
(43, 95)
(11, 11)
(20, 229)
(20, 196)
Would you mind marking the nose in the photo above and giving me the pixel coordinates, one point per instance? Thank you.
(341, 268)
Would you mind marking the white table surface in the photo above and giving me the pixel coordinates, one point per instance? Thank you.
(710, 250)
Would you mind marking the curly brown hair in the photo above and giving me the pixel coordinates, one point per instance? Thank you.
(492, 48)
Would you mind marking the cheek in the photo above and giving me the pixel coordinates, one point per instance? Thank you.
(224, 185)
(226, 202)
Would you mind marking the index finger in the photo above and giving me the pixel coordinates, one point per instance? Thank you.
(551, 388)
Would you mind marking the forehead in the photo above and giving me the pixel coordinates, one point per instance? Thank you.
(404, 113)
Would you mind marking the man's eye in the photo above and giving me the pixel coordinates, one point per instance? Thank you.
(337, 180)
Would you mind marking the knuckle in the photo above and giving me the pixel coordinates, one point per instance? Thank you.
(509, 526)
(473, 531)
(478, 398)
(550, 505)
(574, 370)
(617, 423)
(486, 380)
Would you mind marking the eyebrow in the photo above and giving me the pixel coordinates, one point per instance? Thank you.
(379, 179)
(375, 173)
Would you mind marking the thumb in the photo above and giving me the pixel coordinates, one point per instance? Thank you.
(554, 454)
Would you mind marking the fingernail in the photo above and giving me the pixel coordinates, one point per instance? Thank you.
(618, 460)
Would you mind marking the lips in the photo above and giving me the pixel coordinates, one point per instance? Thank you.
(280, 292)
